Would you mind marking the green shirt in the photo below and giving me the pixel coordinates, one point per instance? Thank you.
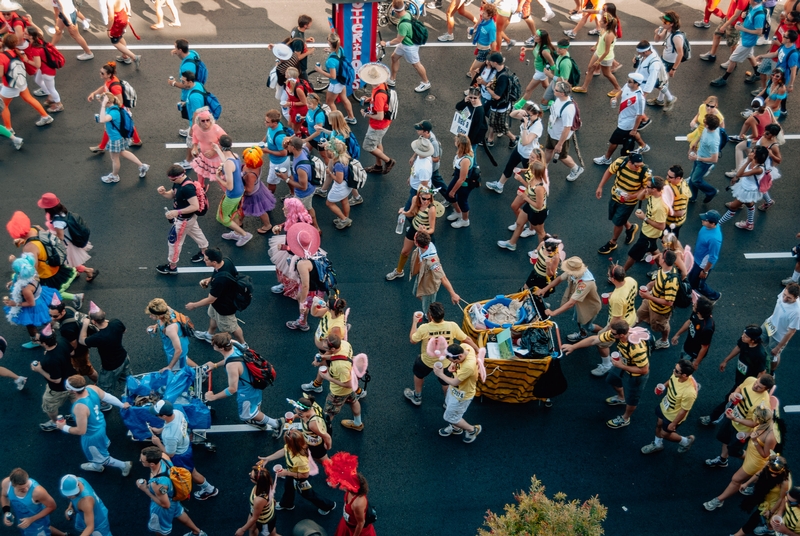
(405, 29)
(562, 68)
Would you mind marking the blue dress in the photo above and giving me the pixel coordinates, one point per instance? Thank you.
(101, 526)
(248, 398)
(94, 442)
(161, 518)
(25, 507)
(39, 314)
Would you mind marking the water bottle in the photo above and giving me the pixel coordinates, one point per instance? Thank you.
(555, 157)
(614, 102)
(34, 363)
(401, 223)
(70, 512)
(471, 33)
(522, 54)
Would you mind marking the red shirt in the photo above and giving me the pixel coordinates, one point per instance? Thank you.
(380, 102)
(4, 61)
(116, 89)
(734, 5)
(38, 52)
(779, 33)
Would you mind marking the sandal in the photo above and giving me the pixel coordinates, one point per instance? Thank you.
(262, 230)
(95, 273)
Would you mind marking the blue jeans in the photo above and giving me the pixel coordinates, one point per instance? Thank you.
(697, 179)
(701, 285)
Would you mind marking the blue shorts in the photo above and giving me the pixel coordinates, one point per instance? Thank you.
(248, 400)
(95, 448)
(185, 460)
(161, 518)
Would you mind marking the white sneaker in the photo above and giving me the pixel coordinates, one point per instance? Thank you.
(110, 178)
(185, 164)
(143, 170)
(573, 176)
(505, 244)
(459, 223)
(46, 120)
(763, 41)
(394, 274)
(527, 232)
(453, 216)
(547, 16)
(183, 132)
(203, 336)
(601, 370)
(231, 235)
(92, 467)
(422, 87)
(495, 186)
(20, 382)
(17, 142)
(642, 150)
(602, 161)
(84, 57)
(391, 83)
(576, 17)
(86, 23)
(512, 227)
(446, 37)
(661, 344)
(277, 289)
(242, 240)
(40, 93)
(724, 65)
(50, 29)
(127, 469)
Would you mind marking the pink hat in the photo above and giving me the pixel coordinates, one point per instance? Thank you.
(19, 226)
(47, 330)
(303, 240)
(55, 301)
(48, 200)
(93, 308)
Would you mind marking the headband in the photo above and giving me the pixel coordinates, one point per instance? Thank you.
(69, 387)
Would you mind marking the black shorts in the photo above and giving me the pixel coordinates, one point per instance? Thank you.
(664, 421)
(642, 247)
(726, 433)
(534, 217)
(421, 370)
(619, 137)
(318, 451)
(619, 213)
(412, 232)
(538, 281)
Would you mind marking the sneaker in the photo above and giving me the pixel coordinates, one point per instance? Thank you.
(652, 448)
(123, 59)
(469, 437)
(110, 178)
(55, 108)
(702, 24)
(353, 201)
(747, 491)
(707, 199)
(717, 462)
(422, 87)
(747, 113)
(143, 170)
(256, 424)
(505, 244)
(450, 430)
(230, 235)
(197, 257)
(127, 469)
(642, 150)
(412, 396)
(320, 192)
(600, 370)
(48, 426)
(277, 289)
(92, 467)
(575, 17)
(343, 224)
(724, 66)
(719, 82)
(752, 79)
(96, 149)
(311, 388)
(20, 383)
(77, 301)
(630, 234)
(17, 142)
(459, 224)
(203, 336)
(705, 420)
(763, 207)
(495, 186)
(138, 61)
(618, 422)
(453, 216)
(529, 42)
(527, 232)
(644, 124)
(203, 495)
(326, 512)
(682, 449)
(45, 120)
(763, 530)
(788, 280)
(512, 144)
(570, 34)
(389, 165)
(574, 174)
(84, 57)
(577, 336)
(708, 56)
(279, 507)
(744, 225)
(736, 139)
(184, 133)
(670, 104)
(615, 401)
(713, 504)
(277, 432)
(763, 41)
(105, 408)
(602, 161)
(394, 274)
(661, 344)
(547, 16)
(488, 143)
(85, 23)
(40, 93)
(594, 32)
(351, 425)
(50, 29)
(655, 102)
(362, 394)
(512, 227)
(242, 240)
(351, 120)
(446, 37)
(607, 248)
(296, 324)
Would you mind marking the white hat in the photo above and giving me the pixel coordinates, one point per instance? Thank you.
(281, 51)
(423, 147)
(9, 5)
(374, 73)
(637, 77)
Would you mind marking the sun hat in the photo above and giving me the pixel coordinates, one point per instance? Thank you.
(637, 77)
(9, 5)
(281, 51)
(374, 73)
(48, 200)
(574, 266)
(303, 239)
(423, 147)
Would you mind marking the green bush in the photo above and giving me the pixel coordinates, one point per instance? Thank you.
(537, 515)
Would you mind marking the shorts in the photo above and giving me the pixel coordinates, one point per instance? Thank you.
(118, 145)
(550, 145)
(731, 35)
(335, 88)
(607, 62)
(498, 120)
(306, 201)
(766, 66)
(618, 213)
(116, 39)
(535, 217)
(454, 408)
(185, 460)
(53, 400)
(409, 52)
(632, 386)
(108, 379)
(334, 403)
(658, 322)
(539, 75)
(225, 323)
(727, 434)
(421, 370)
(619, 136)
(82, 364)
(73, 18)
(741, 53)
(318, 451)
(482, 55)
(272, 176)
(412, 232)
(373, 139)
(664, 421)
(11, 92)
(604, 344)
(642, 247)
(228, 208)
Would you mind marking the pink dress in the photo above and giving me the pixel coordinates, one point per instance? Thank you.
(205, 167)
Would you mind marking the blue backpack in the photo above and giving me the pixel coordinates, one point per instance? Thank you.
(353, 148)
(124, 124)
(345, 74)
(211, 101)
(200, 69)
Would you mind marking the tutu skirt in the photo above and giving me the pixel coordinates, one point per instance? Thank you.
(39, 314)
(206, 168)
(78, 256)
(258, 202)
(745, 195)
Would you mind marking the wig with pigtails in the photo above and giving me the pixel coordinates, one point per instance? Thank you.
(24, 268)
(342, 472)
(295, 213)
(253, 157)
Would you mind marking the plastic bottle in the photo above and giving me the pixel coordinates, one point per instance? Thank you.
(614, 102)
(401, 223)
(522, 54)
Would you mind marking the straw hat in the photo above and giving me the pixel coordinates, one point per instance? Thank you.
(423, 147)
(374, 73)
(574, 267)
(281, 51)
(8, 5)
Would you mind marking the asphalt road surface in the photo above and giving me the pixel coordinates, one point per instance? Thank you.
(421, 483)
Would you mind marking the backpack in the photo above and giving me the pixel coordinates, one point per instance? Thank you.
(244, 290)
(326, 124)
(683, 298)
(129, 95)
(663, 75)
(325, 271)
(353, 148)
(345, 74)
(419, 33)
(642, 172)
(356, 175)
(391, 109)
(474, 177)
(765, 183)
(185, 323)
(125, 127)
(514, 91)
(181, 481)
(576, 121)
(305, 84)
(574, 73)
(687, 48)
(53, 57)
(54, 248)
(200, 69)
(723, 138)
(262, 373)
(16, 76)
(78, 230)
(211, 101)
(318, 169)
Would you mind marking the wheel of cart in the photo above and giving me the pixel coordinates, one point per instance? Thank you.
(385, 15)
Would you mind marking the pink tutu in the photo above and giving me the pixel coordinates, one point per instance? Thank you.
(206, 168)
(261, 200)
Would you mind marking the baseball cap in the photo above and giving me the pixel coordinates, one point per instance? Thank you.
(637, 77)
(161, 408)
(69, 486)
(636, 158)
(424, 125)
(710, 216)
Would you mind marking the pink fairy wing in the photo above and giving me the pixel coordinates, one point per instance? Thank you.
(637, 335)
(481, 364)
(437, 346)
(688, 258)
(668, 197)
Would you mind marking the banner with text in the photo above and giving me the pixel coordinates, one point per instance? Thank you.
(357, 26)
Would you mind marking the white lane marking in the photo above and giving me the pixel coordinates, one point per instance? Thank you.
(778, 255)
(787, 136)
(240, 144)
(206, 269)
(224, 428)
(791, 409)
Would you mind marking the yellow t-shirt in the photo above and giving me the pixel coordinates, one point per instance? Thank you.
(622, 302)
(635, 355)
(627, 182)
(750, 401)
(340, 370)
(467, 374)
(680, 395)
(656, 211)
(449, 330)
(327, 323)
(296, 464)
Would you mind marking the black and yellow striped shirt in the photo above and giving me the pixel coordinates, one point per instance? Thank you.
(791, 517)
(635, 355)
(422, 219)
(267, 512)
(627, 180)
(541, 261)
(681, 194)
(665, 286)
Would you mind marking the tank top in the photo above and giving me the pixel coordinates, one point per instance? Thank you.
(350, 516)
(267, 512)
(762, 120)
(601, 47)
(457, 161)
(541, 262)
(421, 219)
(166, 342)
(531, 192)
(100, 511)
(44, 270)
(24, 506)
(539, 60)
(238, 184)
(95, 423)
(310, 436)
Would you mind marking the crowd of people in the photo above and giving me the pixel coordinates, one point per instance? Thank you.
(310, 147)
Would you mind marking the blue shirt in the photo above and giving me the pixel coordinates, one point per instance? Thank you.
(275, 138)
(95, 422)
(113, 125)
(709, 143)
(169, 349)
(333, 63)
(187, 65)
(316, 117)
(788, 59)
(195, 99)
(753, 21)
(101, 525)
(486, 34)
(238, 184)
(709, 242)
(305, 167)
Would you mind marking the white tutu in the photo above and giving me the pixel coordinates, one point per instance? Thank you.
(77, 256)
(745, 195)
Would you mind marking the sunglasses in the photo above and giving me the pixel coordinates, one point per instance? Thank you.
(424, 198)
(712, 106)
(205, 120)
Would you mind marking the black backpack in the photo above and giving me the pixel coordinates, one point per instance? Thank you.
(78, 230)
(683, 298)
(244, 290)
(326, 273)
(575, 72)
(262, 373)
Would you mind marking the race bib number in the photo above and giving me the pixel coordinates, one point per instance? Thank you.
(769, 327)
(741, 367)
(665, 404)
(459, 395)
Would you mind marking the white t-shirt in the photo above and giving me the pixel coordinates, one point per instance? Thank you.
(631, 105)
(649, 68)
(562, 114)
(670, 54)
(536, 129)
(785, 316)
(175, 435)
(421, 171)
(437, 151)
(102, 6)
(487, 74)
(67, 5)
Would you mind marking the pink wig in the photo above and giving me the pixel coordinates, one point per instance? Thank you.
(295, 213)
